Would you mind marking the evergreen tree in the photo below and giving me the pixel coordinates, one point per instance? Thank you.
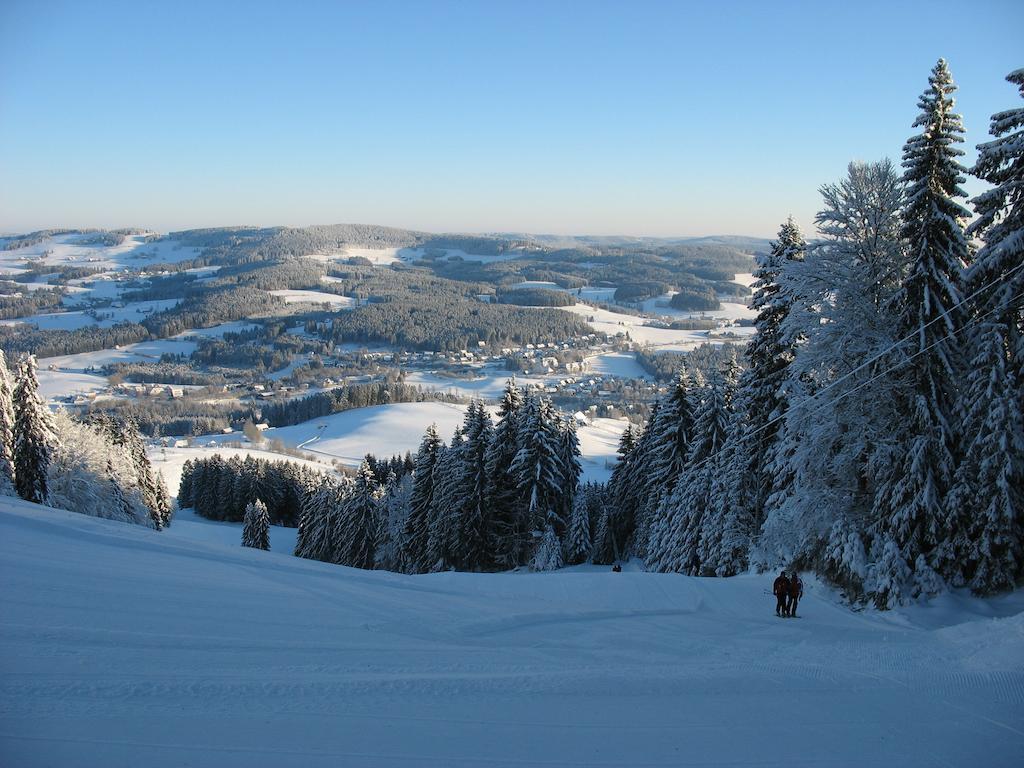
(33, 435)
(678, 546)
(537, 467)
(417, 529)
(578, 543)
(395, 514)
(446, 506)
(769, 355)
(256, 533)
(185, 486)
(911, 503)
(547, 555)
(506, 531)
(989, 483)
(6, 430)
(360, 521)
(473, 552)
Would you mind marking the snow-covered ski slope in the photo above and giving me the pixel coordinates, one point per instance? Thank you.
(122, 646)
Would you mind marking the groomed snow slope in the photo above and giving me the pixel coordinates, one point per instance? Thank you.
(122, 646)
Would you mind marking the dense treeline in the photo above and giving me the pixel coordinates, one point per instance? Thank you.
(16, 301)
(536, 297)
(19, 339)
(499, 495)
(695, 300)
(221, 489)
(345, 398)
(439, 323)
(204, 310)
(877, 434)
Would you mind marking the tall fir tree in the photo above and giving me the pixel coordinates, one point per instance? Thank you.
(360, 521)
(473, 553)
(912, 502)
(506, 531)
(33, 435)
(6, 429)
(989, 483)
(256, 529)
(537, 467)
(417, 528)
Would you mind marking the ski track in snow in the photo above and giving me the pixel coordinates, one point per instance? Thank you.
(122, 646)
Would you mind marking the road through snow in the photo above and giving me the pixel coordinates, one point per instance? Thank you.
(121, 646)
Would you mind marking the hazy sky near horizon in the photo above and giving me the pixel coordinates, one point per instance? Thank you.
(643, 118)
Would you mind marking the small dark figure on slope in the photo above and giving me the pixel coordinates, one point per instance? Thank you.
(781, 591)
(796, 591)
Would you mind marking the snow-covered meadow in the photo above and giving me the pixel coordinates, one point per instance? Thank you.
(122, 646)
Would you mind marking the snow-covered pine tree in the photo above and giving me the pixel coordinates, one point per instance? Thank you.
(912, 502)
(664, 456)
(547, 555)
(762, 385)
(6, 430)
(256, 530)
(678, 546)
(395, 512)
(417, 528)
(578, 541)
(443, 523)
(360, 521)
(320, 527)
(472, 551)
(33, 434)
(185, 486)
(988, 487)
(610, 526)
(569, 460)
(537, 467)
(506, 532)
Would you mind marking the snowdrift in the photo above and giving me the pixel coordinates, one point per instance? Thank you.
(122, 646)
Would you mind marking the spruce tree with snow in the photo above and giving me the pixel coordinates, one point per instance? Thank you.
(614, 525)
(417, 528)
(444, 521)
(547, 554)
(912, 502)
(360, 521)
(6, 430)
(256, 530)
(763, 384)
(537, 467)
(569, 458)
(677, 548)
(185, 486)
(472, 551)
(320, 527)
(506, 532)
(578, 541)
(395, 514)
(33, 435)
(989, 482)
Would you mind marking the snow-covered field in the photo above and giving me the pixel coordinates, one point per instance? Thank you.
(75, 250)
(134, 312)
(315, 297)
(623, 365)
(121, 646)
(143, 352)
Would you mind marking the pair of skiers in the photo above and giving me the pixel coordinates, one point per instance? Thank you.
(787, 591)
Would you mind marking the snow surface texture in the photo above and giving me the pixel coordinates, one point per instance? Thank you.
(122, 646)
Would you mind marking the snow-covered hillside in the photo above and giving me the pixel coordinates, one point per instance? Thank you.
(121, 646)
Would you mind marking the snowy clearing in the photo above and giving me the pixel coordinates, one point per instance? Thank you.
(134, 312)
(55, 385)
(143, 352)
(315, 297)
(75, 250)
(122, 646)
(623, 365)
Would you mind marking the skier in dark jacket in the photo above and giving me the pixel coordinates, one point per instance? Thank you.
(796, 591)
(781, 591)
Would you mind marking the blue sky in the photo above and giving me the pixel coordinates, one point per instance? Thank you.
(607, 118)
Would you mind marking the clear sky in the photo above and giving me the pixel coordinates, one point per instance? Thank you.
(646, 118)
